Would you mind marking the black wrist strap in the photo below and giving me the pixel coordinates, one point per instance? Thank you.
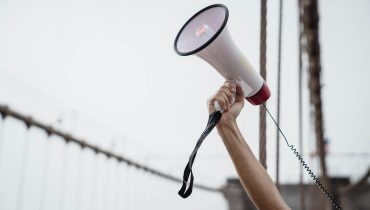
(212, 122)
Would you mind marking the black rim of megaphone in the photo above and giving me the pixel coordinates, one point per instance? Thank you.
(210, 40)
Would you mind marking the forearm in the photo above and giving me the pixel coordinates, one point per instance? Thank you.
(253, 176)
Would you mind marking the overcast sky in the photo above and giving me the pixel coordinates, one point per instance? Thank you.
(108, 71)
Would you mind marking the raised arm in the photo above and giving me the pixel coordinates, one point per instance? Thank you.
(254, 178)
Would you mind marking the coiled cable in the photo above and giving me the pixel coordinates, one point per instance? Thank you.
(305, 166)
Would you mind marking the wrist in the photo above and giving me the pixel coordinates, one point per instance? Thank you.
(226, 123)
(229, 132)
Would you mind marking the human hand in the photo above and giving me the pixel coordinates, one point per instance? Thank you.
(225, 97)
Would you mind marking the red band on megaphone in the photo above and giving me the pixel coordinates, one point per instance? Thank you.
(261, 96)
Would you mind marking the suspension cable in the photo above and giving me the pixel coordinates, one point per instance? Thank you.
(279, 95)
(262, 114)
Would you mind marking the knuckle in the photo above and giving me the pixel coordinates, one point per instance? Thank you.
(217, 97)
(220, 93)
(226, 90)
(228, 93)
(224, 87)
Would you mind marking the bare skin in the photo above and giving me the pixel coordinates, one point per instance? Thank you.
(254, 178)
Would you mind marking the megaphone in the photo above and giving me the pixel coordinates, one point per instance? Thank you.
(206, 35)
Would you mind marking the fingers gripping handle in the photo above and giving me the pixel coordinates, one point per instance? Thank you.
(216, 104)
(218, 107)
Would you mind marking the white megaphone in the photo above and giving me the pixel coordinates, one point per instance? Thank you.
(206, 35)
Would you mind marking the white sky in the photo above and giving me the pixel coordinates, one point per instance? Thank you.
(109, 71)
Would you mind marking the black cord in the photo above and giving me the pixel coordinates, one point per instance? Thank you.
(305, 166)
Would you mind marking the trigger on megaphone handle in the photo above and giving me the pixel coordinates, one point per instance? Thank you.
(217, 105)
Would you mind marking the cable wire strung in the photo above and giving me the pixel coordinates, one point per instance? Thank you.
(262, 113)
(278, 94)
(305, 166)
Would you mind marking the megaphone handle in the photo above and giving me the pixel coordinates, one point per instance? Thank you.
(218, 107)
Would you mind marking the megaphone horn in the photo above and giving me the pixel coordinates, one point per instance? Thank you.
(206, 35)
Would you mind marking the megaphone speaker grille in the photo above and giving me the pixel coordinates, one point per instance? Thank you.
(201, 29)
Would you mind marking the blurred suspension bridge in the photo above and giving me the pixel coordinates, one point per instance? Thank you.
(42, 167)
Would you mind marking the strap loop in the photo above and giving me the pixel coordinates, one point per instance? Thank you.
(185, 190)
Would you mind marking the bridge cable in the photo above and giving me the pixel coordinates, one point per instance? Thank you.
(278, 95)
(44, 175)
(300, 107)
(24, 158)
(262, 112)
